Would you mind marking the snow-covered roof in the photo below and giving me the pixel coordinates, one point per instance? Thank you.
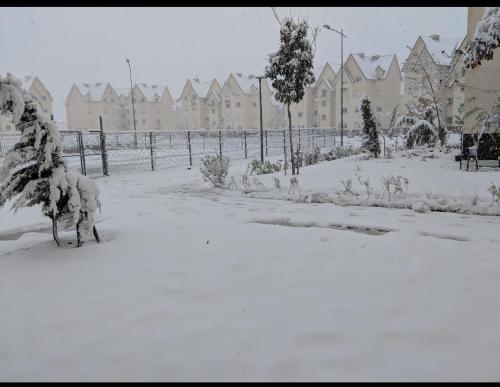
(92, 92)
(200, 87)
(369, 64)
(436, 45)
(152, 93)
(214, 95)
(27, 81)
(246, 82)
(122, 91)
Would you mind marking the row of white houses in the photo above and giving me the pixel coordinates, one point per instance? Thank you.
(233, 103)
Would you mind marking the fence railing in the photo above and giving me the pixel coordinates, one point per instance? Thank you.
(105, 153)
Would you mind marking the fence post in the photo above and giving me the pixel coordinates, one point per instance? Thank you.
(246, 151)
(189, 148)
(284, 149)
(314, 131)
(324, 138)
(384, 144)
(299, 137)
(267, 153)
(151, 146)
(220, 144)
(104, 156)
(334, 136)
(82, 153)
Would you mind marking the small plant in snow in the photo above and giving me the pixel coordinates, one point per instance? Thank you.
(294, 187)
(475, 199)
(277, 183)
(388, 153)
(215, 169)
(395, 186)
(258, 185)
(347, 188)
(495, 193)
(364, 182)
(245, 181)
(264, 168)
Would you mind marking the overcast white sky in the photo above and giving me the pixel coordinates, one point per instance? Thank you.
(168, 45)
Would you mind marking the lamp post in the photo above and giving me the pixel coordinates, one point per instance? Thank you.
(260, 78)
(133, 107)
(342, 36)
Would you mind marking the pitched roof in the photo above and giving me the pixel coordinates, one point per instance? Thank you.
(152, 93)
(436, 45)
(369, 64)
(92, 92)
(27, 82)
(246, 82)
(200, 87)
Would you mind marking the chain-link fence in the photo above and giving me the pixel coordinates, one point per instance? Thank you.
(97, 153)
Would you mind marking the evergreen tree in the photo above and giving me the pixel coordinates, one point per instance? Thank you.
(370, 139)
(35, 172)
(290, 69)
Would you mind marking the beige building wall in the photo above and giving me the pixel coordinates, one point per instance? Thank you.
(483, 82)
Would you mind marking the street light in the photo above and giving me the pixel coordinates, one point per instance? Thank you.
(342, 36)
(133, 107)
(260, 78)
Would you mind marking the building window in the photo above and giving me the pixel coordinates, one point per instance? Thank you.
(142, 100)
(158, 121)
(316, 113)
(254, 104)
(112, 100)
(238, 104)
(324, 92)
(323, 117)
(143, 121)
(44, 98)
(300, 114)
(228, 104)
(213, 111)
(344, 110)
(379, 109)
(8, 128)
(356, 110)
(323, 103)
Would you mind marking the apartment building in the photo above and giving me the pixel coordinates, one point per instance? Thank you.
(240, 103)
(199, 105)
(40, 94)
(379, 78)
(436, 56)
(153, 107)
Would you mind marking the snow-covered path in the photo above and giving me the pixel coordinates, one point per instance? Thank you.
(194, 283)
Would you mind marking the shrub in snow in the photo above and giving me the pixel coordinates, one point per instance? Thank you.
(486, 38)
(258, 185)
(276, 183)
(290, 69)
(395, 186)
(214, 169)
(347, 188)
(35, 171)
(495, 193)
(370, 138)
(264, 168)
(365, 183)
(313, 157)
(339, 152)
(294, 187)
(419, 206)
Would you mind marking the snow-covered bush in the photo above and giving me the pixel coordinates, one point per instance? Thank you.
(494, 190)
(35, 171)
(264, 168)
(313, 157)
(365, 183)
(214, 169)
(339, 152)
(346, 188)
(420, 206)
(258, 184)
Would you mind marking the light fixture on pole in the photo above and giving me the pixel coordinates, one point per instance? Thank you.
(133, 107)
(260, 78)
(342, 36)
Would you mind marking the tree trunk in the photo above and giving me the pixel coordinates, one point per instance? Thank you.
(78, 236)
(292, 156)
(54, 229)
(96, 235)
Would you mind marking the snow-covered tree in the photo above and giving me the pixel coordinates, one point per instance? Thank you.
(34, 171)
(422, 124)
(392, 121)
(370, 139)
(486, 121)
(290, 69)
(486, 38)
(428, 82)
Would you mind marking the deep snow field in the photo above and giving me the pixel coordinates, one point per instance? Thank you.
(194, 283)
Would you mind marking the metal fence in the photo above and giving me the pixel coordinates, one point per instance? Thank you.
(104, 153)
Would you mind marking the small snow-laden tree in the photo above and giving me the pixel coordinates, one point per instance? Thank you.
(290, 69)
(486, 121)
(485, 40)
(34, 171)
(214, 169)
(370, 139)
(421, 123)
(428, 81)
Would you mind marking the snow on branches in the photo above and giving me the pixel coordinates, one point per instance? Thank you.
(486, 38)
(34, 171)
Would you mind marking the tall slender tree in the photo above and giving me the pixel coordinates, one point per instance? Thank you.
(290, 69)
(370, 140)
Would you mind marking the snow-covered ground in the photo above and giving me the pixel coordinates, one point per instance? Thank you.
(196, 283)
